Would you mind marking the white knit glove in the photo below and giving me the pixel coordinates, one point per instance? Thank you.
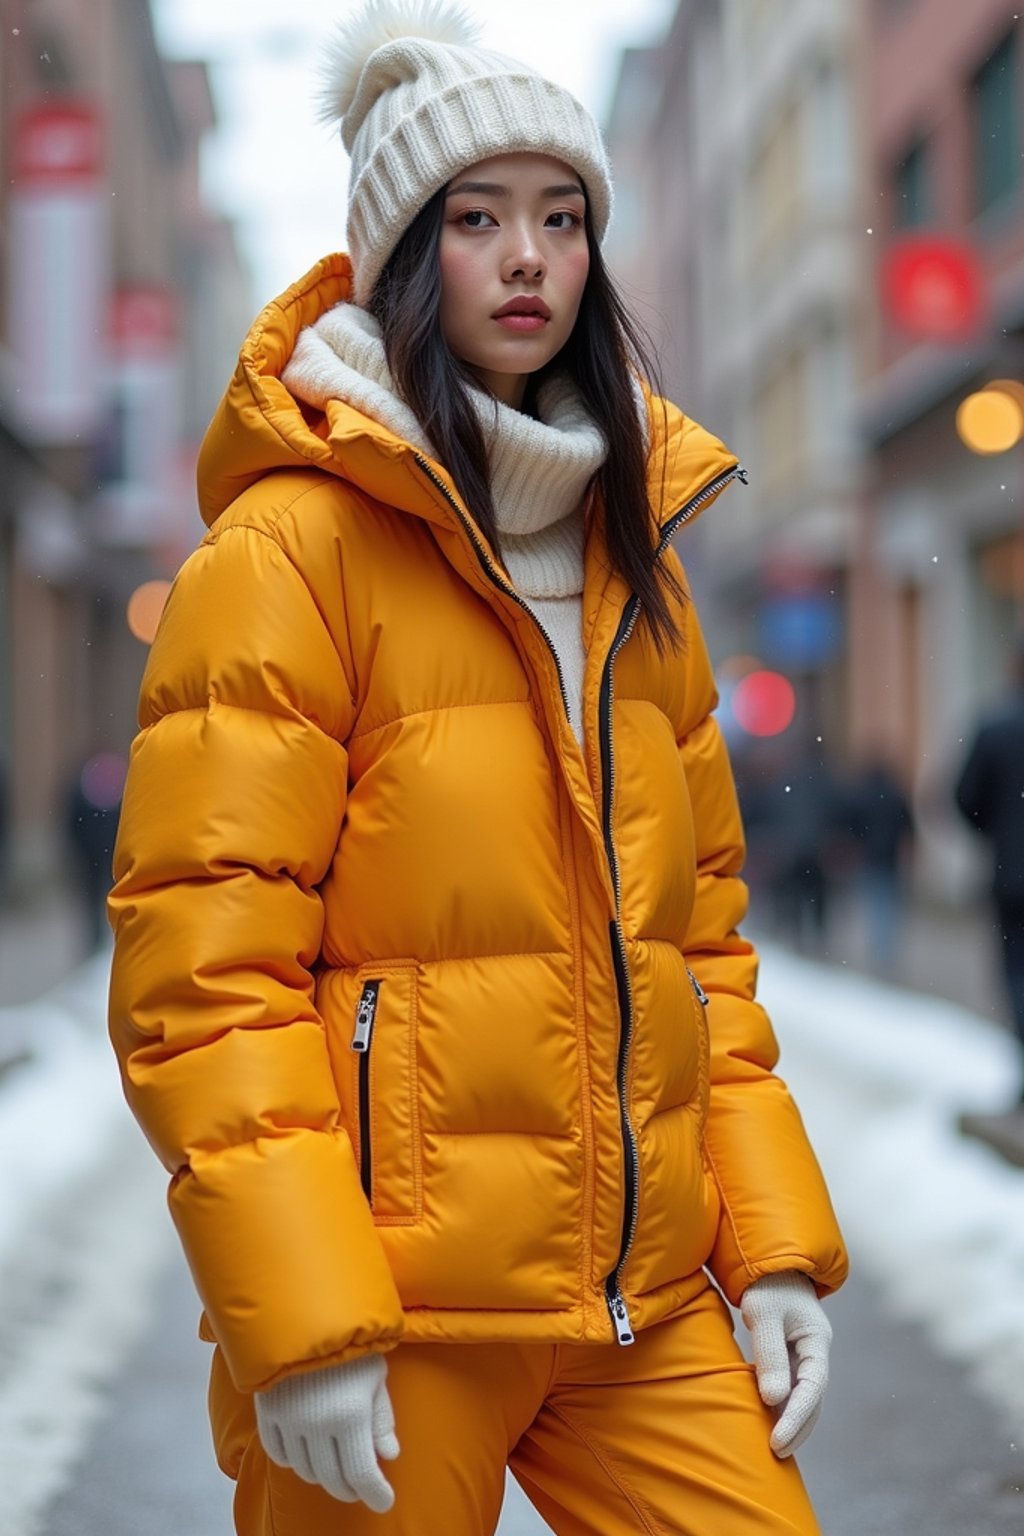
(790, 1335)
(330, 1426)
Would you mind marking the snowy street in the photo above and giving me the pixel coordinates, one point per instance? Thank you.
(102, 1412)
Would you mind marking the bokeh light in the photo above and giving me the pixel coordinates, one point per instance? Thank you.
(934, 286)
(735, 667)
(764, 703)
(991, 420)
(145, 606)
(102, 780)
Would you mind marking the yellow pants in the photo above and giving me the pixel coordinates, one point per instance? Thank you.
(667, 1436)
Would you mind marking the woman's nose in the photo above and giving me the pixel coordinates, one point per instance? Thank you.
(523, 260)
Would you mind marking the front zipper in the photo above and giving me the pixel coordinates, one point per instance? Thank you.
(631, 1208)
(692, 507)
(491, 570)
(495, 576)
(613, 1294)
(366, 1014)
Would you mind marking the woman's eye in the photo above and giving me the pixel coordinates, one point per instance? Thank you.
(474, 218)
(565, 220)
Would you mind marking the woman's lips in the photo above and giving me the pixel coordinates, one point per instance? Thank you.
(521, 322)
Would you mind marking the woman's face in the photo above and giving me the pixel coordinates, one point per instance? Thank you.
(514, 263)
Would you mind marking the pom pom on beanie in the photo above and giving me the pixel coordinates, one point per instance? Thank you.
(417, 100)
(374, 27)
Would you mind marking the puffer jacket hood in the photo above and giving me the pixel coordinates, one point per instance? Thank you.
(438, 1017)
(259, 426)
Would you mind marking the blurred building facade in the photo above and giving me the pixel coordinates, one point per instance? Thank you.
(123, 298)
(737, 243)
(773, 153)
(938, 586)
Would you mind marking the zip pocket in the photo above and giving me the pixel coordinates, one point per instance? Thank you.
(380, 1092)
(362, 1038)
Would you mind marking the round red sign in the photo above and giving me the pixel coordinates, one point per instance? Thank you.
(933, 287)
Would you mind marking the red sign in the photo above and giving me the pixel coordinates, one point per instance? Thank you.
(934, 287)
(57, 271)
(143, 319)
(58, 145)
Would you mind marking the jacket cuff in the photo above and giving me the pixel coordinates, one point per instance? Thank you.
(285, 1256)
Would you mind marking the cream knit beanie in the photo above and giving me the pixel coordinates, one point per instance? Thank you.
(417, 101)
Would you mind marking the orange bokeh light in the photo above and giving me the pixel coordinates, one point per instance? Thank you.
(145, 606)
(991, 420)
(734, 667)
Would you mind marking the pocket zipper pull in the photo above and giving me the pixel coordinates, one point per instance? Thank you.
(620, 1319)
(365, 1015)
(702, 996)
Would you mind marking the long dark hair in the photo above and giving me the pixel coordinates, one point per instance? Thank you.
(603, 357)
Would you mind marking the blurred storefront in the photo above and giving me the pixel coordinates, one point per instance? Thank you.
(734, 235)
(938, 584)
(123, 298)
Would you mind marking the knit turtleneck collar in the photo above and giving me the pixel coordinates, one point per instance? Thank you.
(540, 468)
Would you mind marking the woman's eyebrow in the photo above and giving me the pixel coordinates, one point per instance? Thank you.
(494, 189)
(485, 188)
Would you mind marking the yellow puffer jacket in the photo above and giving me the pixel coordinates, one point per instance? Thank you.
(401, 989)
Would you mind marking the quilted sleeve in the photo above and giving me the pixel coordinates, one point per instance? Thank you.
(232, 811)
(775, 1209)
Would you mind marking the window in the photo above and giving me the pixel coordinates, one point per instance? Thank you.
(831, 393)
(912, 195)
(778, 189)
(996, 133)
(828, 137)
(781, 424)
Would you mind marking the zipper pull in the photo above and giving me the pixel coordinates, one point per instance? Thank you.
(365, 1015)
(620, 1319)
(742, 475)
(702, 996)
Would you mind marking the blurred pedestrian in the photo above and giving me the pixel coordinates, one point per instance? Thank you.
(91, 813)
(758, 764)
(429, 821)
(880, 824)
(990, 795)
(800, 821)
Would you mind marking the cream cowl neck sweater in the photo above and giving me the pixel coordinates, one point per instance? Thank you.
(540, 468)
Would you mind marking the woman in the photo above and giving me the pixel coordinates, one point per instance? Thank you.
(427, 988)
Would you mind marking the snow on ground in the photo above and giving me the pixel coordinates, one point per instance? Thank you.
(57, 1110)
(83, 1235)
(881, 1075)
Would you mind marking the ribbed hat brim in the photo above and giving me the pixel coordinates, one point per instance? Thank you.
(471, 120)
